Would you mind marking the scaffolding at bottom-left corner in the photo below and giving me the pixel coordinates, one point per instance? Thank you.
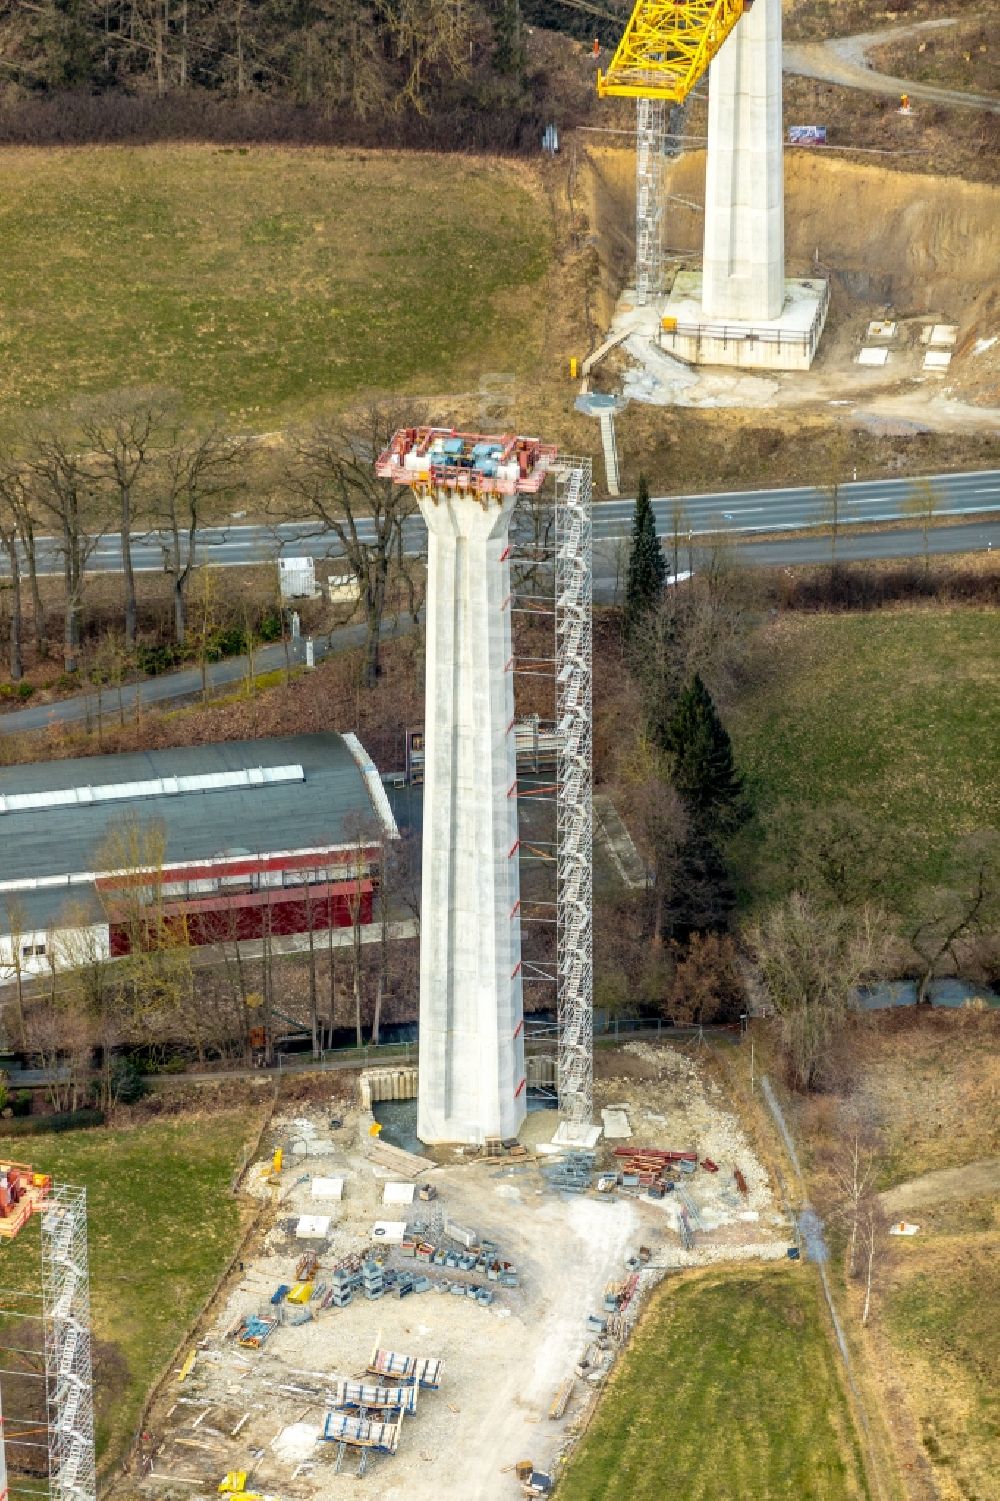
(68, 1420)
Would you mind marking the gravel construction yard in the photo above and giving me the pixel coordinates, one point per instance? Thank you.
(262, 1411)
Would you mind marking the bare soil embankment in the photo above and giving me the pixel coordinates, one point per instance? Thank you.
(919, 244)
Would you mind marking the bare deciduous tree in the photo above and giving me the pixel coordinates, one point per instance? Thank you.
(831, 489)
(660, 825)
(811, 959)
(871, 1233)
(193, 470)
(333, 475)
(923, 503)
(121, 431)
(60, 1036)
(967, 907)
(155, 972)
(680, 528)
(109, 665)
(853, 1177)
(16, 926)
(80, 952)
(64, 490)
(838, 853)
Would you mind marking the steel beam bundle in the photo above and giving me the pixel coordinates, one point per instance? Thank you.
(66, 1311)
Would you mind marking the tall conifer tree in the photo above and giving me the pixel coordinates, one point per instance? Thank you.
(647, 570)
(701, 755)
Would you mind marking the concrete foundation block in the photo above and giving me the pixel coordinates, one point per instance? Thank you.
(787, 342)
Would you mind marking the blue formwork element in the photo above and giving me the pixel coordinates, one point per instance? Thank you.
(363, 1396)
(345, 1428)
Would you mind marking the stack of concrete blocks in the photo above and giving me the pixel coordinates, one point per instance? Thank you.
(372, 1279)
(472, 1081)
(342, 1285)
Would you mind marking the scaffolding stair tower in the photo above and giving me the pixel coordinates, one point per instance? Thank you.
(574, 789)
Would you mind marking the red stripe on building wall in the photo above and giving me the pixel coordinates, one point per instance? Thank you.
(252, 865)
(223, 919)
(519, 1088)
(518, 1029)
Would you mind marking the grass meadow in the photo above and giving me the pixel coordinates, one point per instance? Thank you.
(729, 1389)
(893, 715)
(260, 282)
(161, 1222)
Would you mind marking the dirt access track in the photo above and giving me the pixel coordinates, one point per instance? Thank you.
(844, 60)
(975, 1180)
(262, 1410)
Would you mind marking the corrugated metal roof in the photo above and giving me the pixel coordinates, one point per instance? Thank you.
(328, 807)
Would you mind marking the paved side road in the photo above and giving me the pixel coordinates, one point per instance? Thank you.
(184, 685)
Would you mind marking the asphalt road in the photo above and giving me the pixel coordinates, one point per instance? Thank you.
(904, 542)
(738, 512)
(185, 684)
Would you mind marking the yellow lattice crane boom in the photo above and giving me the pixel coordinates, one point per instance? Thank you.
(667, 46)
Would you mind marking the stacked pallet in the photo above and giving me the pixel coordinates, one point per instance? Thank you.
(648, 1165)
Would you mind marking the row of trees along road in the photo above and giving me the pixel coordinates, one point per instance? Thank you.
(123, 462)
(132, 464)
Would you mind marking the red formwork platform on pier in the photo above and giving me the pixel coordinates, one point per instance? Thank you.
(22, 1194)
(475, 464)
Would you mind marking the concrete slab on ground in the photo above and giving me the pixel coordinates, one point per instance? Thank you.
(616, 1126)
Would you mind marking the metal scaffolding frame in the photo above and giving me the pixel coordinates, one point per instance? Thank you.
(66, 1314)
(574, 589)
(650, 127)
